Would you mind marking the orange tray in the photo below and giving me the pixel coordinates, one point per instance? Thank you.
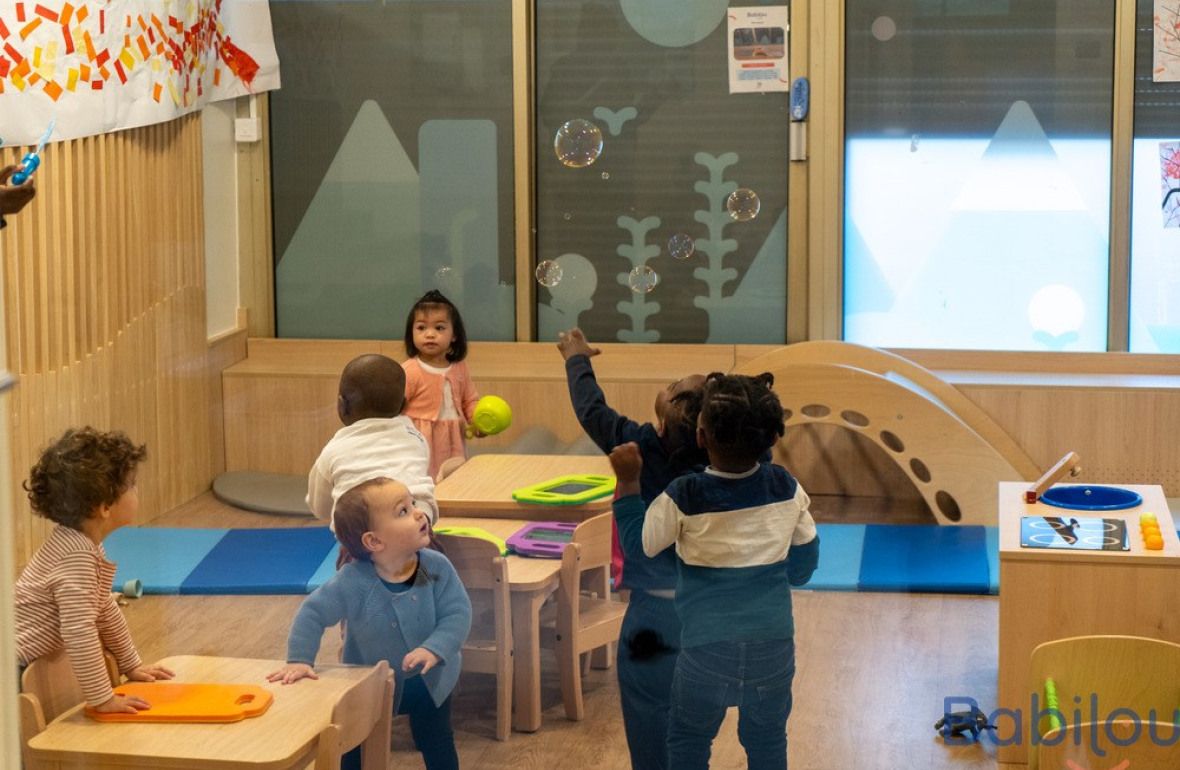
(189, 702)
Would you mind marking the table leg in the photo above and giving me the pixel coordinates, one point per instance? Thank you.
(526, 638)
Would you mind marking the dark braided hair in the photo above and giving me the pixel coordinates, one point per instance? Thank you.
(741, 415)
(434, 300)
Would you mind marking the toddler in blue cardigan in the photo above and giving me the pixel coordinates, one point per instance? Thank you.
(401, 602)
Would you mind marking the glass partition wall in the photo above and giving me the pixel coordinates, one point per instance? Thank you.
(392, 165)
(671, 226)
(977, 173)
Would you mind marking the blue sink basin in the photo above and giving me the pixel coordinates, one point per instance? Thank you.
(1083, 497)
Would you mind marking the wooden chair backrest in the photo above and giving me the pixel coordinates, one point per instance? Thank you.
(50, 679)
(585, 566)
(477, 561)
(1123, 672)
(361, 707)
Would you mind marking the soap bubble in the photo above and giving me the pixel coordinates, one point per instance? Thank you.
(643, 279)
(743, 204)
(548, 273)
(606, 175)
(578, 143)
(446, 278)
(681, 246)
(567, 216)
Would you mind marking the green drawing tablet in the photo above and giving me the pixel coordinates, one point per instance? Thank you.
(567, 490)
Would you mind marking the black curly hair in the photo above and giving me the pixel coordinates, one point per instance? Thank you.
(680, 429)
(741, 416)
(81, 471)
(434, 300)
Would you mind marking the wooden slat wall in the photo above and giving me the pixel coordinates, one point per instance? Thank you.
(105, 306)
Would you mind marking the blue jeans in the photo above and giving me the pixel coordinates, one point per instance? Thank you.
(754, 676)
(648, 645)
(429, 724)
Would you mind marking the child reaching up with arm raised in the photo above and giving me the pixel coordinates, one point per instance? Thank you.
(440, 397)
(402, 603)
(651, 629)
(743, 537)
(85, 483)
(377, 440)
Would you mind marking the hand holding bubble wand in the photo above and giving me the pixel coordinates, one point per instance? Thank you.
(32, 161)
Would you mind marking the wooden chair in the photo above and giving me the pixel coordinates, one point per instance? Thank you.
(49, 689)
(488, 649)
(361, 717)
(447, 468)
(1123, 672)
(587, 619)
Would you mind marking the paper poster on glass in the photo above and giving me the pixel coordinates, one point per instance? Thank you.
(758, 50)
(1170, 182)
(1166, 65)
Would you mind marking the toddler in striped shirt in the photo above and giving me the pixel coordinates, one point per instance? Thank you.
(85, 483)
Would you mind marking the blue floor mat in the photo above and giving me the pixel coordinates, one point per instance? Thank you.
(840, 549)
(853, 557)
(933, 559)
(261, 561)
(159, 557)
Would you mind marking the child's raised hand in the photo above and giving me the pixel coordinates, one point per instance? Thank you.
(573, 343)
(419, 656)
(149, 674)
(123, 704)
(626, 462)
(292, 672)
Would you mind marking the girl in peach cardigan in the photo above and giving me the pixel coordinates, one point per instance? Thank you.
(440, 396)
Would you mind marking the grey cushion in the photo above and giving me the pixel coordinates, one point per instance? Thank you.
(277, 493)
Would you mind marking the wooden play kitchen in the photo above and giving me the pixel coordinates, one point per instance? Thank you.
(1074, 578)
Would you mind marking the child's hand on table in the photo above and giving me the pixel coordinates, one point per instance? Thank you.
(626, 462)
(573, 343)
(292, 672)
(419, 656)
(123, 704)
(149, 674)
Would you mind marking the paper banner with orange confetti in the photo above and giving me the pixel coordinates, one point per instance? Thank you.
(104, 65)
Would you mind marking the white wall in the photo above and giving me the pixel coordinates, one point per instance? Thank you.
(221, 217)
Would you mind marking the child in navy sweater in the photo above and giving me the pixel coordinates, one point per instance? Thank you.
(651, 629)
(743, 536)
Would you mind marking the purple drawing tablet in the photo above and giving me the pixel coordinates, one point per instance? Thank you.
(546, 539)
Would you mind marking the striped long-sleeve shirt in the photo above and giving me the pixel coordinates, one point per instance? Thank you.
(743, 539)
(63, 599)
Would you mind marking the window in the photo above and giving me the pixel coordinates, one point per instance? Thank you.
(392, 165)
(651, 78)
(1155, 197)
(977, 174)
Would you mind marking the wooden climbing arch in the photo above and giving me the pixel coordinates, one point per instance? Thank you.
(954, 454)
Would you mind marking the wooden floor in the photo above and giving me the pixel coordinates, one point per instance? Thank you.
(873, 670)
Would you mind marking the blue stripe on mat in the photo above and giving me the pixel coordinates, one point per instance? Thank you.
(993, 559)
(840, 547)
(160, 557)
(261, 561)
(326, 570)
(937, 559)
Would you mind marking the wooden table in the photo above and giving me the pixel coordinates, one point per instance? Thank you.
(530, 581)
(1048, 594)
(282, 737)
(482, 486)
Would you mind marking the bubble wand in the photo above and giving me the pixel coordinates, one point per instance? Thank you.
(32, 161)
